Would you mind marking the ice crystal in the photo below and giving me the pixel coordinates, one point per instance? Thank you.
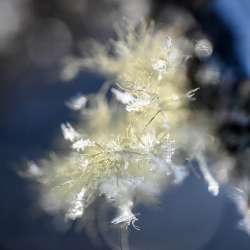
(138, 104)
(81, 144)
(160, 66)
(148, 142)
(126, 216)
(76, 209)
(122, 97)
(69, 133)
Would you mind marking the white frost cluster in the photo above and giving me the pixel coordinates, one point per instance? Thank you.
(160, 66)
(122, 97)
(77, 207)
(121, 192)
(81, 144)
(126, 216)
(137, 104)
(148, 142)
(69, 132)
(133, 104)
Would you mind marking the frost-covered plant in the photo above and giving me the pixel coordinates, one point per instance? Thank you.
(125, 146)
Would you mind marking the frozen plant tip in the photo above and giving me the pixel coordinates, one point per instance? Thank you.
(126, 217)
(123, 150)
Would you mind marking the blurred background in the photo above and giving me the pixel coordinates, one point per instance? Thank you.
(36, 36)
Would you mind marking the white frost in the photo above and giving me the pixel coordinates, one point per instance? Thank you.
(76, 208)
(122, 97)
(213, 186)
(138, 104)
(78, 102)
(81, 144)
(126, 216)
(69, 132)
(160, 66)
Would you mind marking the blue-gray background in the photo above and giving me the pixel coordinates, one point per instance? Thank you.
(32, 107)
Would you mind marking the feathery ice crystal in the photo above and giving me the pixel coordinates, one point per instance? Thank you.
(124, 147)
